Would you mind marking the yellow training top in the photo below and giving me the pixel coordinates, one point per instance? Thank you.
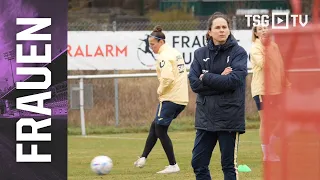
(277, 75)
(172, 75)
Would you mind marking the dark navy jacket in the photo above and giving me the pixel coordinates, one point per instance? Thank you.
(220, 98)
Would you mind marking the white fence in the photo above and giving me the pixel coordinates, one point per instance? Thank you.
(116, 99)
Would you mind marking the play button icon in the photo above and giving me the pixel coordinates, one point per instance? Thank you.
(280, 20)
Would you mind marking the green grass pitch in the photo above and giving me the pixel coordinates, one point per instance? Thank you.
(125, 148)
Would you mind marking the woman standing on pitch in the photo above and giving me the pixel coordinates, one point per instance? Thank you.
(218, 74)
(277, 79)
(173, 97)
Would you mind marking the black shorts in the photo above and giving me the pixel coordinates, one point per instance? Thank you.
(260, 100)
(167, 111)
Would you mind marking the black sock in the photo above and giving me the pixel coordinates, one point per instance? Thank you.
(151, 141)
(162, 134)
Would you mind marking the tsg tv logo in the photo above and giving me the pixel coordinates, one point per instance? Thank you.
(279, 20)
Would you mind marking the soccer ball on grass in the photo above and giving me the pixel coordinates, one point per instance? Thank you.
(101, 165)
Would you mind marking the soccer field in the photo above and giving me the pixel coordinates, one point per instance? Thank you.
(125, 148)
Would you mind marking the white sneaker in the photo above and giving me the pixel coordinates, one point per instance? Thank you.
(170, 169)
(140, 162)
(272, 156)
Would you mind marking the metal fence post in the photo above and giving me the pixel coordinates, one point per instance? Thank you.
(116, 98)
(83, 122)
(116, 89)
(114, 25)
(234, 22)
